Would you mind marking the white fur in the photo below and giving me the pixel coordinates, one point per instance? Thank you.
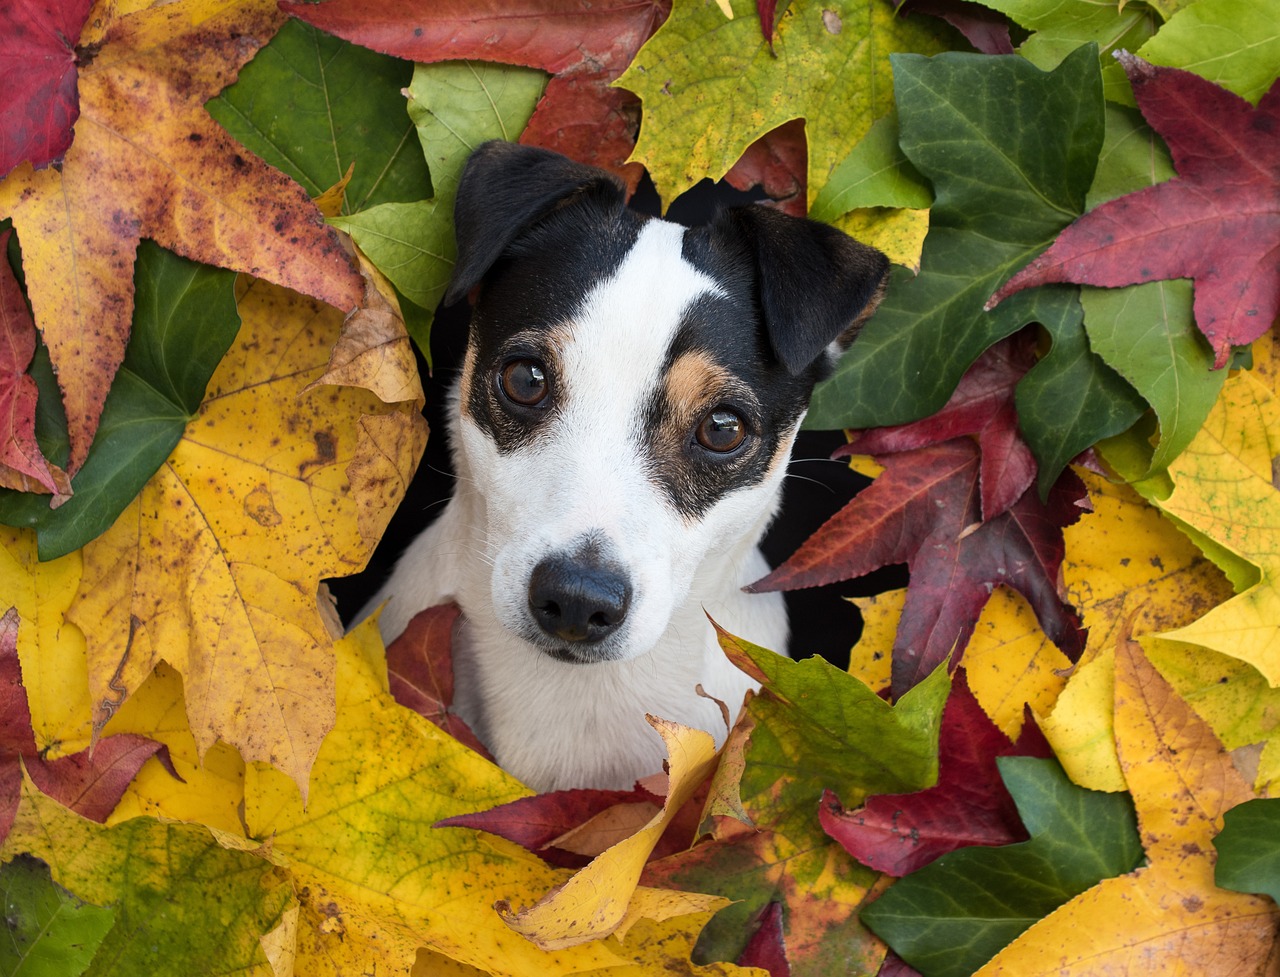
(556, 724)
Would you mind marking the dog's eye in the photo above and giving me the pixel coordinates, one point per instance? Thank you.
(524, 382)
(721, 430)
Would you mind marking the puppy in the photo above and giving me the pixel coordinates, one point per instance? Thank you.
(620, 431)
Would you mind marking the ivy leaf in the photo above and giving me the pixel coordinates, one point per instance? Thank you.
(949, 917)
(899, 833)
(157, 390)
(954, 114)
(38, 76)
(1249, 848)
(49, 930)
(1216, 223)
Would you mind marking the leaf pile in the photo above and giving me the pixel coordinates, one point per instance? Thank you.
(224, 223)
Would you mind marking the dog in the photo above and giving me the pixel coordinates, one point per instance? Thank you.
(620, 430)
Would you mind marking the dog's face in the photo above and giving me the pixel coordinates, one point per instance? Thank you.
(626, 406)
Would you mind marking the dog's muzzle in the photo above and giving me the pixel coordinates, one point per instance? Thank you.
(578, 600)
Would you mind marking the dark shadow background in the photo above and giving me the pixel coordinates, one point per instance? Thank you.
(823, 622)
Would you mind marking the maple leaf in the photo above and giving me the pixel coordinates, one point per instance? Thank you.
(1223, 487)
(584, 46)
(812, 727)
(969, 805)
(420, 670)
(924, 511)
(215, 566)
(986, 31)
(22, 465)
(89, 783)
(1217, 223)
(183, 903)
(1168, 915)
(50, 930)
(698, 121)
(38, 76)
(148, 160)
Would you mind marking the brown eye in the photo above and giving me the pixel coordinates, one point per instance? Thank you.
(721, 430)
(524, 382)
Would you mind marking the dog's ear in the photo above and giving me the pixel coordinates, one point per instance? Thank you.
(816, 285)
(505, 189)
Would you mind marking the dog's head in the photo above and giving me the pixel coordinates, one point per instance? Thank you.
(631, 390)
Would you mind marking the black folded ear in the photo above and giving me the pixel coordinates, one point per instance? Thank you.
(505, 189)
(816, 285)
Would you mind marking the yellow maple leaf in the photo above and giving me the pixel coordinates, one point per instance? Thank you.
(50, 649)
(148, 160)
(1167, 917)
(1127, 569)
(1224, 487)
(215, 567)
(871, 659)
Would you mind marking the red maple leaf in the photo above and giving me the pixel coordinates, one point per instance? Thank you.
(777, 162)
(90, 782)
(585, 46)
(969, 805)
(983, 406)
(1217, 222)
(924, 511)
(22, 466)
(767, 948)
(38, 77)
(420, 672)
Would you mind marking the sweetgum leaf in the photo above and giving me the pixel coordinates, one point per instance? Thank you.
(311, 104)
(184, 320)
(899, 833)
(1249, 848)
(924, 511)
(1217, 223)
(38, 77)
(1010, 151)
(949, 917)
(50, 931)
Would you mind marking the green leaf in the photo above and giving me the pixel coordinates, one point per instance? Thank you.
(50, 933)
(184, 321)
(1061, 26)
(311, 104)
(711, 86)
(455, 106)
(1249, 848)
(875, 174)
(817, 727)
(184, 905)
(953, 915)
(1010, 151)
(1233, 43)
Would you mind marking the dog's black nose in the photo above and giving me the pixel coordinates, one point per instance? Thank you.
(578, 599)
